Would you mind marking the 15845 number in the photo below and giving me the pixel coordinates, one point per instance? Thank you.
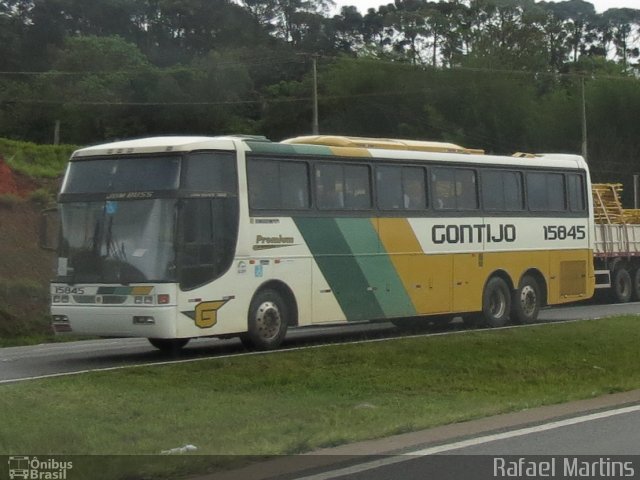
(69, 290)
(561, 232)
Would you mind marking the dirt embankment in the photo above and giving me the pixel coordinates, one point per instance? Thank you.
(25, 269)
(20, 256)
(14, 183)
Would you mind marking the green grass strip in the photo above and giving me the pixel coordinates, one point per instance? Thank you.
(296, 401)
(38, 161)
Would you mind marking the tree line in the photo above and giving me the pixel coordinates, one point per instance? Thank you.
(502, 75)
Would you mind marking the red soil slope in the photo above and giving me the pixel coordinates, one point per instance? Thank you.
(13, 183)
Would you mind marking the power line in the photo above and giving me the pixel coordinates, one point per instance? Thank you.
(151, 69)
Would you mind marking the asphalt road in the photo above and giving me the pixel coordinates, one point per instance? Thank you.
(20, 363)
(603, 444)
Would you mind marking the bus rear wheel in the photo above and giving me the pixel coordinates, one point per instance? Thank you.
(496, 304)
(169, 345)
(526, 301)
(268, 321)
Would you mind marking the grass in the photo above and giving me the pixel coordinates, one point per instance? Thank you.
(297, 401)
(38, 161)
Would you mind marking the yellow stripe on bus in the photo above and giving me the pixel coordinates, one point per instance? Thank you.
(426, 278)
(439, 283)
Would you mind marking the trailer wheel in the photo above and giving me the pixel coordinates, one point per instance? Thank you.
(169, 345)
(496, 304)
(636, 285)
(526, 301)
(621, 285)
(268, 321)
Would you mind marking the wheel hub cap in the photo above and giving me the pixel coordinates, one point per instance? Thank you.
(268, 320)
(528, 300)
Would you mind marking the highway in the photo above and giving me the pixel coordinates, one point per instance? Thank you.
(23, 363)
(592, 438)
(602, 444)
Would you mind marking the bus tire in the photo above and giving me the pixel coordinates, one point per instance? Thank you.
(268, 321)
(169, 345)
(526, 301)
(621, 286)
(636, 285)
(496, 304)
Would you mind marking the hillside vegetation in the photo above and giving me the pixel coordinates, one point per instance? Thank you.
(29, 175)
(35, 161)
(501, 75)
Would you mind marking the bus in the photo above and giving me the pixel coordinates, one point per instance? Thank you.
(174, 238)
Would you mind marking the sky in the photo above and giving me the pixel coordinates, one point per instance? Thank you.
(600, 5)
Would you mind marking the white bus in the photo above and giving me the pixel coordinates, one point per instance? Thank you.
(173, 238)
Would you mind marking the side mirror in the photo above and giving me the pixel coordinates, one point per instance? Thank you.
(49, 230)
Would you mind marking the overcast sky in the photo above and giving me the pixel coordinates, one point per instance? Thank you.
(601, 5)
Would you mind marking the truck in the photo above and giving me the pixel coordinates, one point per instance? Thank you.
(616, 245)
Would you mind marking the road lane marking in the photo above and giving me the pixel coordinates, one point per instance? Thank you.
(383, 462)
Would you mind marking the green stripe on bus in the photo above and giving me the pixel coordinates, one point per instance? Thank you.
(284, 149)
(341, 270)
(376, 266)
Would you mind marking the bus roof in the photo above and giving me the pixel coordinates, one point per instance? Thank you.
(384, 143)
(164, 145)
(400, 149)
(332, 145)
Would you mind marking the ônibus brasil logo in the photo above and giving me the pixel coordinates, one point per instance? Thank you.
(32, 468)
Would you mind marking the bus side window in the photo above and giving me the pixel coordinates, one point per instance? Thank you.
(414, 188)
(466, 189)
(277, 185)
(502, 191)
(330, 186)
(546, 192)
(389, 185)
(575, 186)
(263, 184)
(294, 185)
(357, 187)
(454, 188)
(443, 187)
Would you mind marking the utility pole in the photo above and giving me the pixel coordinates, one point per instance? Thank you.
(56, 133)
(584, 122)
(315, 128)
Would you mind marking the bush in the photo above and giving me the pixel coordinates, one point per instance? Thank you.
(8, 200)
(41, 197)
(24, 308)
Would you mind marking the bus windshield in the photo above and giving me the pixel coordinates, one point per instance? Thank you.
(119, 218)
(123, 175)
(117, 242)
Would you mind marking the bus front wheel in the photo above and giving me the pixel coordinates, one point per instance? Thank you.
(496, 304)
(268, 321)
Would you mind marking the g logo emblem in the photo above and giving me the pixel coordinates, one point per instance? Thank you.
(207, 313)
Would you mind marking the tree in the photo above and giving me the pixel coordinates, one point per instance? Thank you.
(579, 18)
(620, 24)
